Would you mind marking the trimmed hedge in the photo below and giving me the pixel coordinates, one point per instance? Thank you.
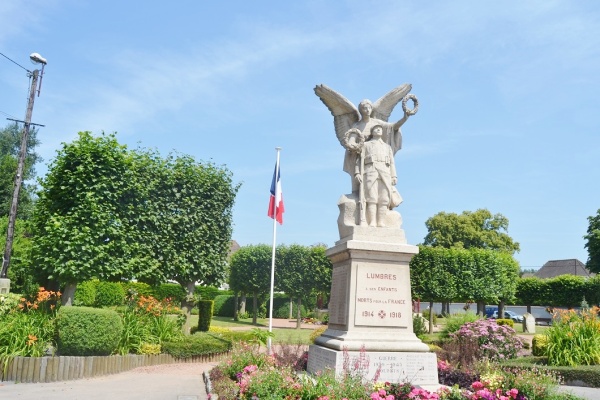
(224, 306)
(86, 331)
(172, 291)
(197, 344)
(205, 313)
(210, 292)
(139, 288)
(588, 374)
(85, 294)
(109, 294)
(506, 321)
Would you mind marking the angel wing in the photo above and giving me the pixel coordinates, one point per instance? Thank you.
(383, 107)
(345, 114)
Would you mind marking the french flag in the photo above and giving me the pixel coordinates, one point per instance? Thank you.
(276, 208)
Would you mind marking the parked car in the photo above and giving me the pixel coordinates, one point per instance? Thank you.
(509, 315)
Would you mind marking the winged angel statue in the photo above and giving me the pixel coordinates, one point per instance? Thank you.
(369, 158)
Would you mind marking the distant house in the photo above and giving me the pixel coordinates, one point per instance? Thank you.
(555, 268)
(233, 247)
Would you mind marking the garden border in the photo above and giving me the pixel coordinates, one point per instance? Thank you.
(66, 368)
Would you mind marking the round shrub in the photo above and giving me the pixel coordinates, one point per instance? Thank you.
(86, 331)
(506, 321)
(224, 306)
(493, 341)
(85, 294)
(109, 294)
(539, 345)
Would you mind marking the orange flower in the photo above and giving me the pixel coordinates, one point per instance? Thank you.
(32, 340)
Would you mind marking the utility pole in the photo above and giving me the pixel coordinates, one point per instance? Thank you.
(19, 178)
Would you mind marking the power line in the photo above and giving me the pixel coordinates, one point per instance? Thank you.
(9, 59)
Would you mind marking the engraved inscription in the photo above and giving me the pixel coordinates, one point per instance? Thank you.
(382, 296)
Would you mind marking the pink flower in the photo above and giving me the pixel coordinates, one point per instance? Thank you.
(513, 393)
(477, 385)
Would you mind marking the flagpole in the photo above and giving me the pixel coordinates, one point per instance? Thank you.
(278, 149)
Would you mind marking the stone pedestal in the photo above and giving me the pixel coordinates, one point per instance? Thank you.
(528, 323)
(4, 286)
(370, 312)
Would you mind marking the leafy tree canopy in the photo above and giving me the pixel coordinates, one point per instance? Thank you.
(10, 147)
(479, 229)
(593, 243)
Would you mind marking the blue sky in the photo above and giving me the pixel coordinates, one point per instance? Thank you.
(506, 120)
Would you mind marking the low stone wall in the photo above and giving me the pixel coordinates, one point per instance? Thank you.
(53, 369)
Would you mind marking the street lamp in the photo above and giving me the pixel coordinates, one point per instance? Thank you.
(12, 215)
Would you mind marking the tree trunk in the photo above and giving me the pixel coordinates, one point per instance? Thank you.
(431, 317)
(291, 308)
(299, 314)
(501, 309)
(243, 303)
(254, 308)
(529, 309)
(187, 305)
(445, 308)
(68, 294)
(235, 307)
(481, 308)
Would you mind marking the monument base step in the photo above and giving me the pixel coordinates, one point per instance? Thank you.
(416, 368)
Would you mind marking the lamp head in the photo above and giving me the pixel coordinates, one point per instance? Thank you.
(36, 58)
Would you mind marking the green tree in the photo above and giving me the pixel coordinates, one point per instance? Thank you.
(593, 243)
(250, 272)
(80, 222)
(299, 271)
(10, 147)
(183, 219)
(479, 229)
(433, 276)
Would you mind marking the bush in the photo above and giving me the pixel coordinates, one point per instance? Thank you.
(539, 344)
(85, 294)
(109, 294)
(133, 289)
(419, 325)
(493, 341)
(224, 305)
(316, 333)
(171, 291)
(197, 344)
(283, 310)
(205, 313)
(455, 321)
(210, 292)
(426, 316)
(574, 338)
(85, 331)
(506, 321)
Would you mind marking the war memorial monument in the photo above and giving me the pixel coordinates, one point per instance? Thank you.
(370, 308)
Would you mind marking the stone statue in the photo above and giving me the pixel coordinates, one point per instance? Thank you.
(376, 170)
(353, 128)
(346, 116)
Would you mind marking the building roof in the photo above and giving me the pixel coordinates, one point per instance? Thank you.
(233, 247)
(555, 268)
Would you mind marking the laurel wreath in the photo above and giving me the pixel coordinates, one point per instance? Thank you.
(357, 146)
(415, 104)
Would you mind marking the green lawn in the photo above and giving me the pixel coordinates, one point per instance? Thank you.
(282, 335)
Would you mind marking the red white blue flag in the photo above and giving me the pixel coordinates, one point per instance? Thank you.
(276, 208)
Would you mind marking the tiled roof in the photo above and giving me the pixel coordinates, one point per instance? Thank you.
(555, 268)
